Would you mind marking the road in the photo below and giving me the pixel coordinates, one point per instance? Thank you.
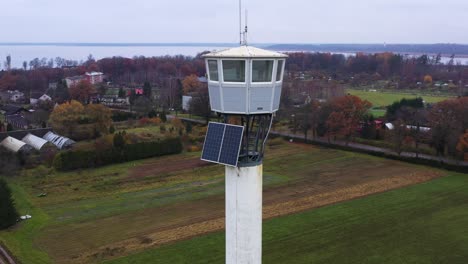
(357, 146)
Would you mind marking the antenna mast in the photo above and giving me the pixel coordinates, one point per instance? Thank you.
(240, 22)
(242, 34)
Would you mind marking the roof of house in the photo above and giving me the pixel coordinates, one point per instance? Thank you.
(17, 120)
(73, 78)
(11, 109)
(14, 144)
(94, 73)
(245, 52)
(59, 141)
(34, 141)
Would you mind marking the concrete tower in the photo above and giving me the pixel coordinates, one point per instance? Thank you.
(243, 82)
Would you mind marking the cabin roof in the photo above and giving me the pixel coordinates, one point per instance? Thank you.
(245, 52)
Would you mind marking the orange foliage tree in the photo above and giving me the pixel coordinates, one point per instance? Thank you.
(82, 91)
(347, 113)
(191, 84)
(462, 145)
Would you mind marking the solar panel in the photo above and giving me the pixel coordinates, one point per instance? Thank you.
(222, 143)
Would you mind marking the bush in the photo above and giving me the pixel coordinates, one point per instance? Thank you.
(77, 159)
(8, 214)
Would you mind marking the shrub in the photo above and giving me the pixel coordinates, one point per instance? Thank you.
(8, 214)
(75, 159)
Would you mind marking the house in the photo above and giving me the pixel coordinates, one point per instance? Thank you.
(74, 80)
(186, 102)
(94, 77)
(11, 96)
(37, 99)
(17, 121)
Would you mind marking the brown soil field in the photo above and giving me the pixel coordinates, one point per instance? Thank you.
(158, 226)
(166, 166)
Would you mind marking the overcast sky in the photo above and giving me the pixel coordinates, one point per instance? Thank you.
(270, 21)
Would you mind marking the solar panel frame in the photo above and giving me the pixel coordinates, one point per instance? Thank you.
(235, 134)
(213, 141)
(231, 144)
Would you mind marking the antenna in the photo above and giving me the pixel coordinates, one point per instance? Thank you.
(245, 29)
(240, 22)
(242, 34)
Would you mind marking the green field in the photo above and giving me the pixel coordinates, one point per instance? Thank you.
(382, 99)
(88, 215)
(426, 223)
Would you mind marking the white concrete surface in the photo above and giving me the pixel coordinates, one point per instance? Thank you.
(244, 214)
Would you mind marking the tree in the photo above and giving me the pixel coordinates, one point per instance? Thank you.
(447, 120)
(427, 79)
(66, 117)
(82, 91)
(200, 104)
(8, 214)
(8, 62)
(398, 136)
(119, 140)
(100, 116)
(61, 92)
(147, 89)
(121, 93)
(191, 84)
(346, 116)
(462, 145)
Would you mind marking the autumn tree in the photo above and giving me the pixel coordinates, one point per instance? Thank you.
(82, 91)
(66, 117)
(448, 119)
(100, 116)
(427, 79)
(462, 145)
(191, 84)
(347, 113)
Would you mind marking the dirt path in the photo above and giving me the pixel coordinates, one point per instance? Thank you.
(278, 202)
(5, 257)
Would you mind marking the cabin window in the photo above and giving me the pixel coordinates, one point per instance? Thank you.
(213, 70)
(279, 70)
(262, 70)
(234, 70)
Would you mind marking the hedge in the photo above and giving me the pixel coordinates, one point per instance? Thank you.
(77, 159)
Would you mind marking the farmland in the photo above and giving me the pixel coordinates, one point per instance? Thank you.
(380, 100)
(146, 207)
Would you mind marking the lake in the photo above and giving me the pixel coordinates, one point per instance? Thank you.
(76, 51)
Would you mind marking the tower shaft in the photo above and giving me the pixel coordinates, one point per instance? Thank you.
(244, 187)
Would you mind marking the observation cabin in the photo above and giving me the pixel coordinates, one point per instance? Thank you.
(245, 82)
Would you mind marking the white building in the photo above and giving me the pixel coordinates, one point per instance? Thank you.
(94, 77)
(41, 98)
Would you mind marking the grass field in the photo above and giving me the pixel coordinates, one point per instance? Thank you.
(145, 207)
(426, 223)
(381, 99)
